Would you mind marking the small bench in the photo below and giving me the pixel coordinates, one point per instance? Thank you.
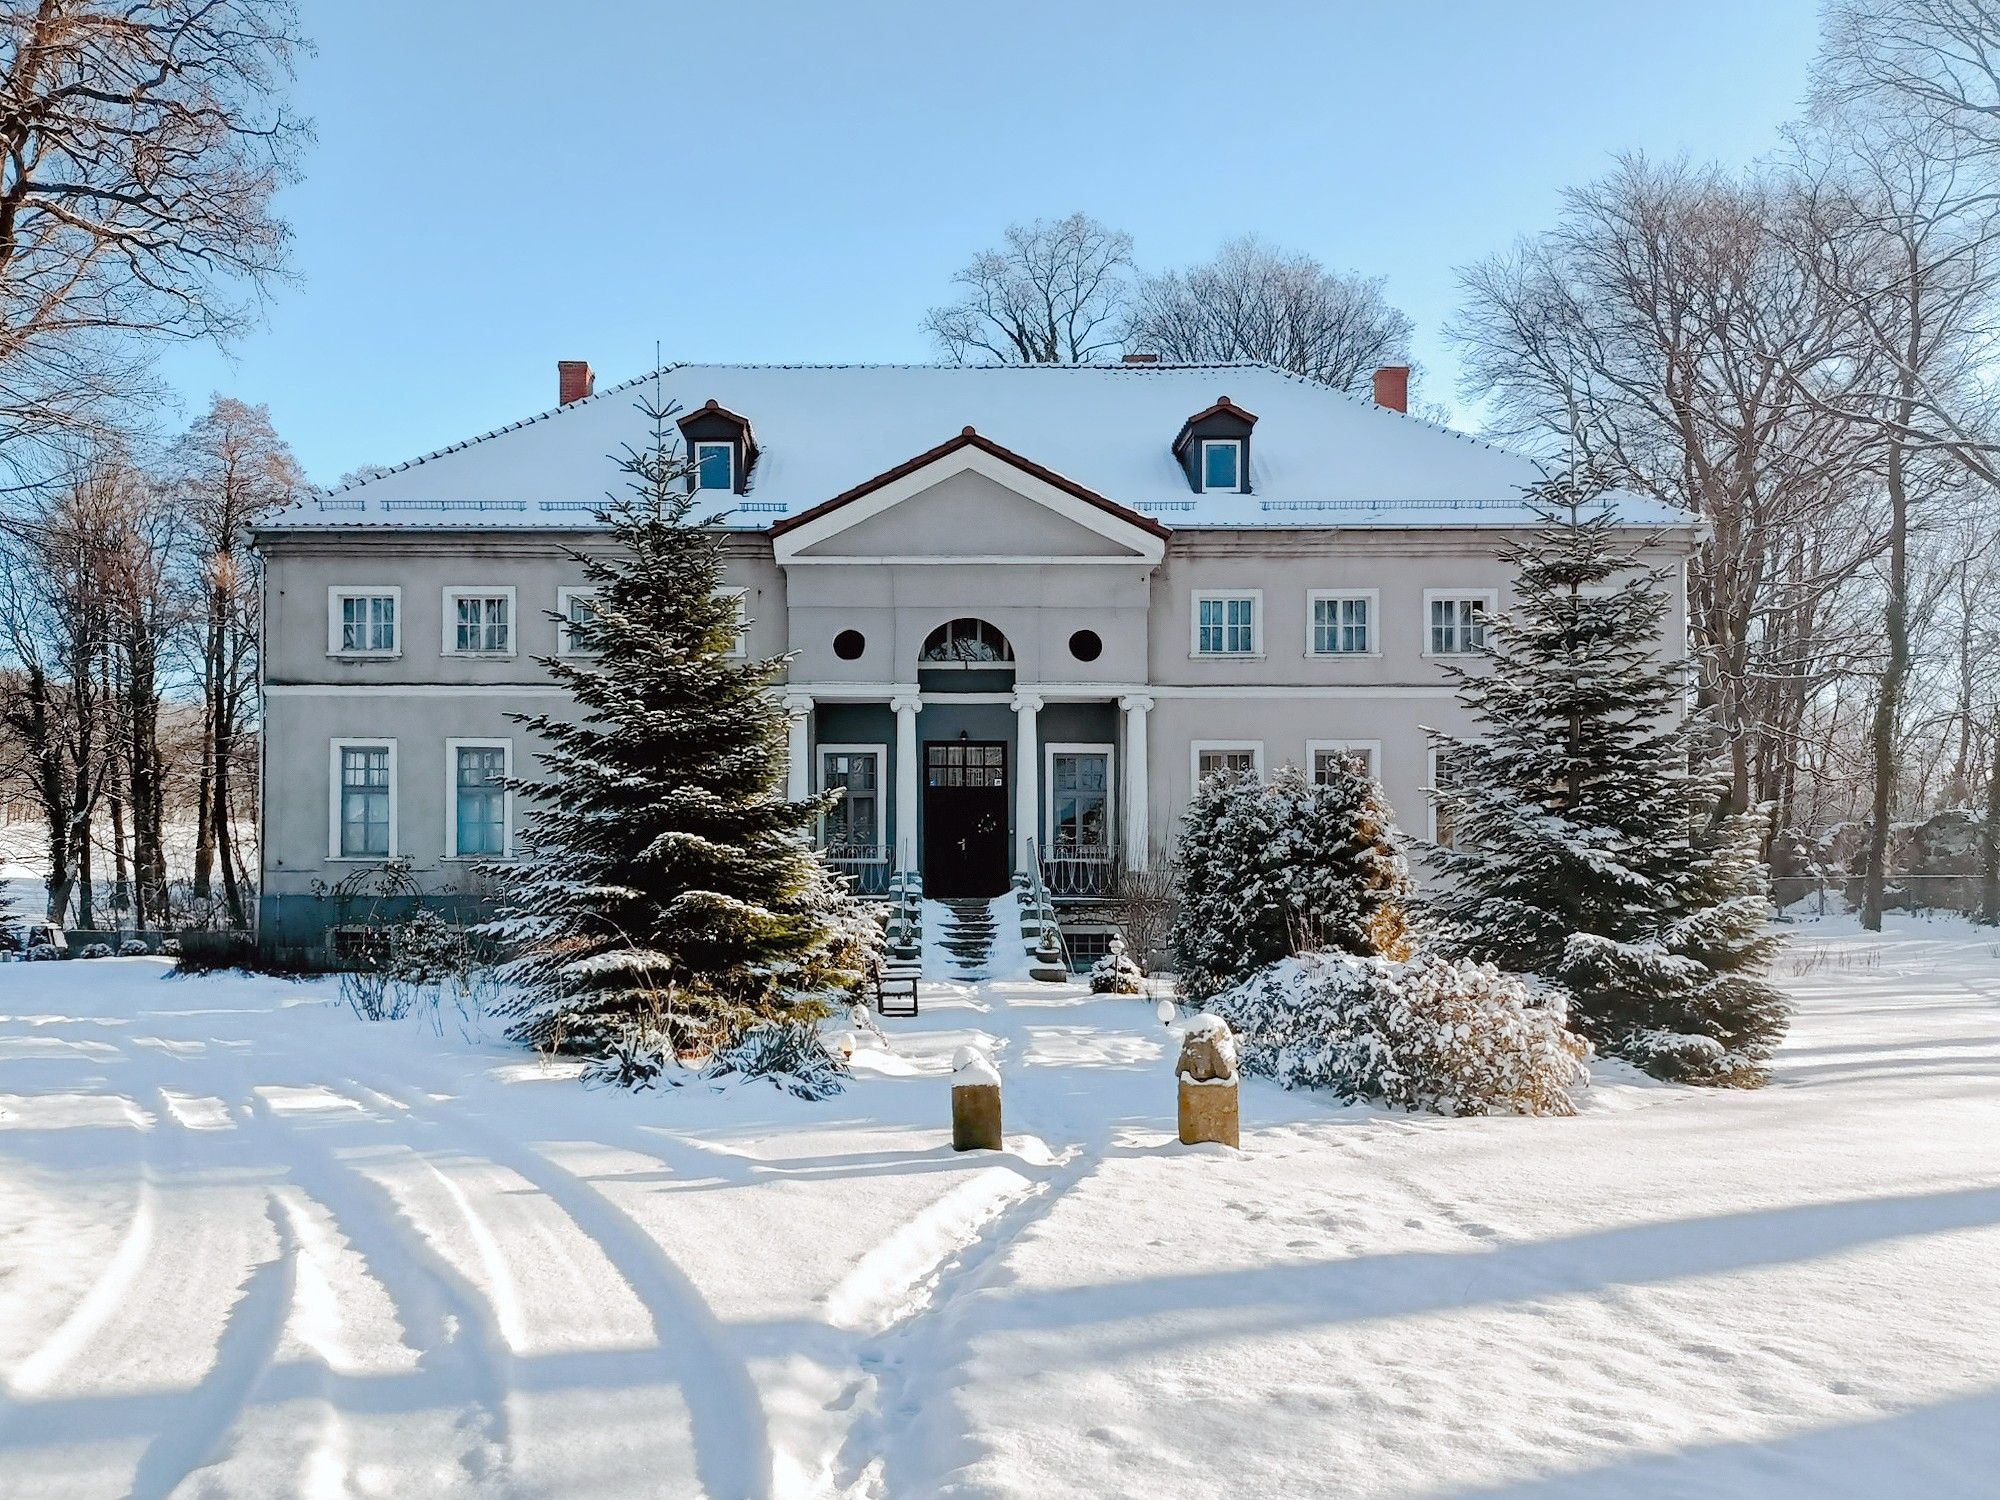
(895, 991)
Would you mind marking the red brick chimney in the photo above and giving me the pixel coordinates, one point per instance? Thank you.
(574, 380)
(1142, 359)
(1392, 387)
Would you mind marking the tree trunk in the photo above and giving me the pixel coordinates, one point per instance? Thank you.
(1889, 699)
(1989, 835)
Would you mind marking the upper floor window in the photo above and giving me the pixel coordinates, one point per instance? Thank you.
(1457, 621)
(966, 643)
(1227, 624)
(1342, 625)
(715, 466)
(479, 622)
(577, 607)
(363, 621)
(364, 799)
(1221, 464)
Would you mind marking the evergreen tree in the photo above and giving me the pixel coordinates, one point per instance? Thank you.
(667, 881)
(1584, 845)
(1272, 869)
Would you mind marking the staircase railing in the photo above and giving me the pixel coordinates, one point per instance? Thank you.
(1045, 909)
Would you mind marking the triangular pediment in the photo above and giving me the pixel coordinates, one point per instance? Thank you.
(969, 500)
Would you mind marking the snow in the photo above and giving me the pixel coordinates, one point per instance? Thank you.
(251, 1246)
(1319, 457)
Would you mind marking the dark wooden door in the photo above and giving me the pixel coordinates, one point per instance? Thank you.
(965, 819)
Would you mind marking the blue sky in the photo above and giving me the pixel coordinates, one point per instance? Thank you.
(499, 184)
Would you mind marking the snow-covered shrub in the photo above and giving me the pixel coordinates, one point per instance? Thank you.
(94, 950)
(1269, 869)
(788, 1054)
(1116, 974)
(425, 964)
(639, 1058)
(170, 947)
(1455, 1038)
(41, 952)
(133, 948)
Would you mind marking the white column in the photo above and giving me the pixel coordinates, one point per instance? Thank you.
(798, 768)
(1135, 814)
(906, 782)
(1027, 778)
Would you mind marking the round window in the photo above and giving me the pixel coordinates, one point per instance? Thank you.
(1085, 646)
(849, 644)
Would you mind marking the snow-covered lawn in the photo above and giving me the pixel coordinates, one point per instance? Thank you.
(250, 1246)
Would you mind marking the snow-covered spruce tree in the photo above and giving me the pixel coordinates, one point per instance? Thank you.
(1269, 869)
(667, 882)
(1584, 847)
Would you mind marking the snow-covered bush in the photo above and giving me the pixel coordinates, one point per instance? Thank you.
(133, 948)
(1269, 869)
(1116, 974)
(423, 965)
(1455, 1038)
(787, 1054)
(41, 952)
(94, 950)
(639, 1058)
(170, 947)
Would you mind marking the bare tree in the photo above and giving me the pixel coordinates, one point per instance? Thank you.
(1256, 302)
(1054, 294)
(234, 469)
(1663, 333)
(140, 144)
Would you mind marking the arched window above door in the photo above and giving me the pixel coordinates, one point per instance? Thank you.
(966, 642)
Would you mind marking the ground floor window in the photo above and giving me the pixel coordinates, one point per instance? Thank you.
(1442, 780)
(1324, 755)
(954, 763)
(853, 827)
(479, 799)
(1079, 799)
(1213, 758)
(364, 799)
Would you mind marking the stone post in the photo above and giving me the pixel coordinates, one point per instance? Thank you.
(975, 1102)
(1208, 1083)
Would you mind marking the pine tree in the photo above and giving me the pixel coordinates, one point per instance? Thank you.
(1272, 869)
(667, 882)
(1584, 845)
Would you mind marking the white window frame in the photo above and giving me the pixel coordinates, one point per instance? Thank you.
(451, 749)
(357, 742)
(1489, 597)
(1049, 754)
(1373, 749)
(453, 592)
(729, 449)
(742, 597)
(1371, 597)
(1430, 796)
(881, 754)
(1196, 747)
(568, 592)
(1203, 596)
(1201, 469)
(338, 594)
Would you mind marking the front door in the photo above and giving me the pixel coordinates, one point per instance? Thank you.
(965, 819)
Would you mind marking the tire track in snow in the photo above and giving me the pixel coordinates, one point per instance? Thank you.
(734, 1456)
(105, 1296)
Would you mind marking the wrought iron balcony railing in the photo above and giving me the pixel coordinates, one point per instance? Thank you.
(866, 866)
(1079, 869)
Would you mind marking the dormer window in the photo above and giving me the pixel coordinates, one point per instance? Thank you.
(715, 466)
(1213, 449)
(1221, 464)
(722, 449)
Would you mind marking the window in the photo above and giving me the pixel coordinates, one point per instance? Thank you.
(741, 645)
(362, 621)
(1457, 622)
(1442, 779)
(1086, 645)
(1227, 625)
(1323, 755)
(1227, 757)
(479, 621)
(956, 763)
(1342, 624)
(1221, 464)
(715, 466)
(849, 645)
(1079, 809)
(576, 606)
(853, 828)
(966, 643)
(477, 820)
(364, 799)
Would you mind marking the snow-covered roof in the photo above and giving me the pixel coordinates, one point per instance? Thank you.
(1319, 457)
